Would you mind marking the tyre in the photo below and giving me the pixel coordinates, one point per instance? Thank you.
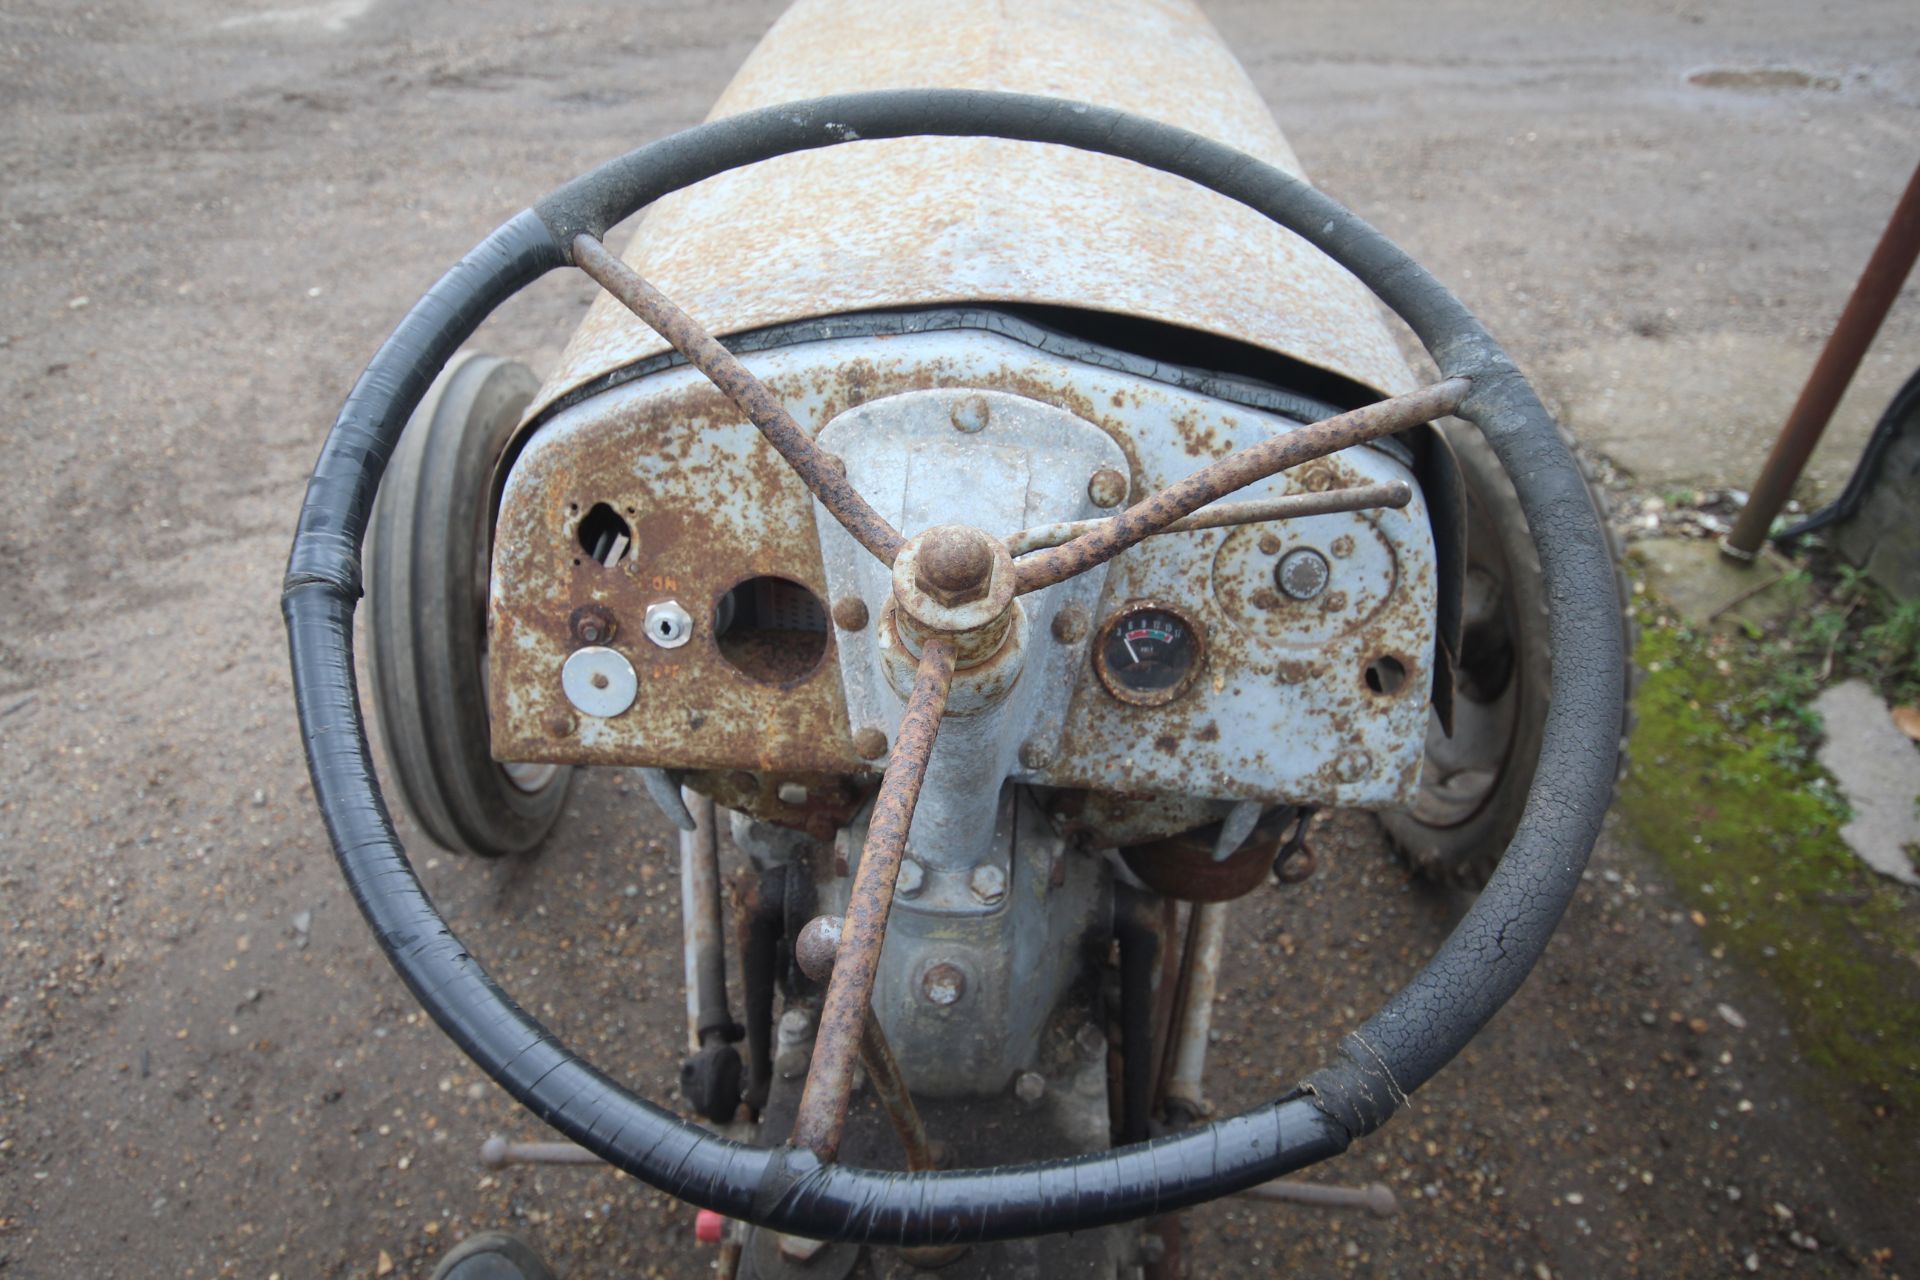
(1474, 783)
(429, 546)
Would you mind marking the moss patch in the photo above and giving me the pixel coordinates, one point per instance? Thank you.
(1725, 793)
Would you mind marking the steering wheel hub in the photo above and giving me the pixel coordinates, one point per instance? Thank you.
(954, 581)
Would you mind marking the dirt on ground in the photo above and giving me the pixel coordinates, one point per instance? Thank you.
(212, 214)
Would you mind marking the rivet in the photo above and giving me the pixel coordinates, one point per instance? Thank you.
(1107, 488)
(1070, 624)
(1354, 765)
(1035, 754)
(971, 414)
(850, 613)
(870, 743)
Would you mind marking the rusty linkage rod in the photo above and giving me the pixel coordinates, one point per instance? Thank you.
(1395, 493)
(823, 1102)
(1238, 469)
(816, 468)
(816, 950)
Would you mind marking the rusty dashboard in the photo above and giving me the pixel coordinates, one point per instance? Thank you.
(661, 594)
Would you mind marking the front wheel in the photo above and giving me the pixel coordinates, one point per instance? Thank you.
(1474, 782)
(428, 550)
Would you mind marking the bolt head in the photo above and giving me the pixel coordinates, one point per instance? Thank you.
(970, 414)
(954, 565)
(850, 613)
(1302, 573)
(592, 624)
(1353, 765)
(870, 743)
(943, 984)
(1029, 1086)
(792, 793)
(668, 624)
(912, 878)
(1091, 1039)
(1107, 488)
(988, 882)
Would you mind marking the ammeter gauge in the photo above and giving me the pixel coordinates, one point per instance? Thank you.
(1148, 654)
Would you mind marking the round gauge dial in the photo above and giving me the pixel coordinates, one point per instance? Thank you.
(1148, 654)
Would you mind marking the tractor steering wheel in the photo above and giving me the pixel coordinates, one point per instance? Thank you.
(797, 1188)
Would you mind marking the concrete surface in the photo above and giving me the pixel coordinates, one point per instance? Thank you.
(1707, 589)
(1878, 770)
(214, 209)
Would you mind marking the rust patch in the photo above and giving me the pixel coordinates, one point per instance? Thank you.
(726, 372)
(711, 504)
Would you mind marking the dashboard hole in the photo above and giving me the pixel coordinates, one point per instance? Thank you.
(1386, 675)
(605, 535)
(772, 630)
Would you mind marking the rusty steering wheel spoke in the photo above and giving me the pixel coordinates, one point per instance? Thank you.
(1222, 515)
(823, 1102)
(817, 469)
(1157, 512)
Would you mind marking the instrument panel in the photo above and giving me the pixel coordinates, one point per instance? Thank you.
(1234, 663)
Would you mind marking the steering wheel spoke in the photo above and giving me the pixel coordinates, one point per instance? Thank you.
(1157, 512)
(823, 1101)
(817, 469)
(1224, 515)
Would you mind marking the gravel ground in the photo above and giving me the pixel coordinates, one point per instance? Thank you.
(204, 1068)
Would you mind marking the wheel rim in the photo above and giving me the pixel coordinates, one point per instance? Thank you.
(1462, 771)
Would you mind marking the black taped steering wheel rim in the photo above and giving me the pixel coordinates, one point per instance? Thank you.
(1403, 1045)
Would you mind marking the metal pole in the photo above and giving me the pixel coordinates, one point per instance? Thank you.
(1376, 1198)
(702, 926)
(1201, 979)
(1873, 296)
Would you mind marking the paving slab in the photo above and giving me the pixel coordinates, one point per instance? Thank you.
(1878, 770)
(1707, 589)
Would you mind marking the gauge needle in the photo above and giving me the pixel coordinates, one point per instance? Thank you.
(1131, 651)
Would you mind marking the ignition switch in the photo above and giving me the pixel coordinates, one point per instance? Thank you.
(1302, 573)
